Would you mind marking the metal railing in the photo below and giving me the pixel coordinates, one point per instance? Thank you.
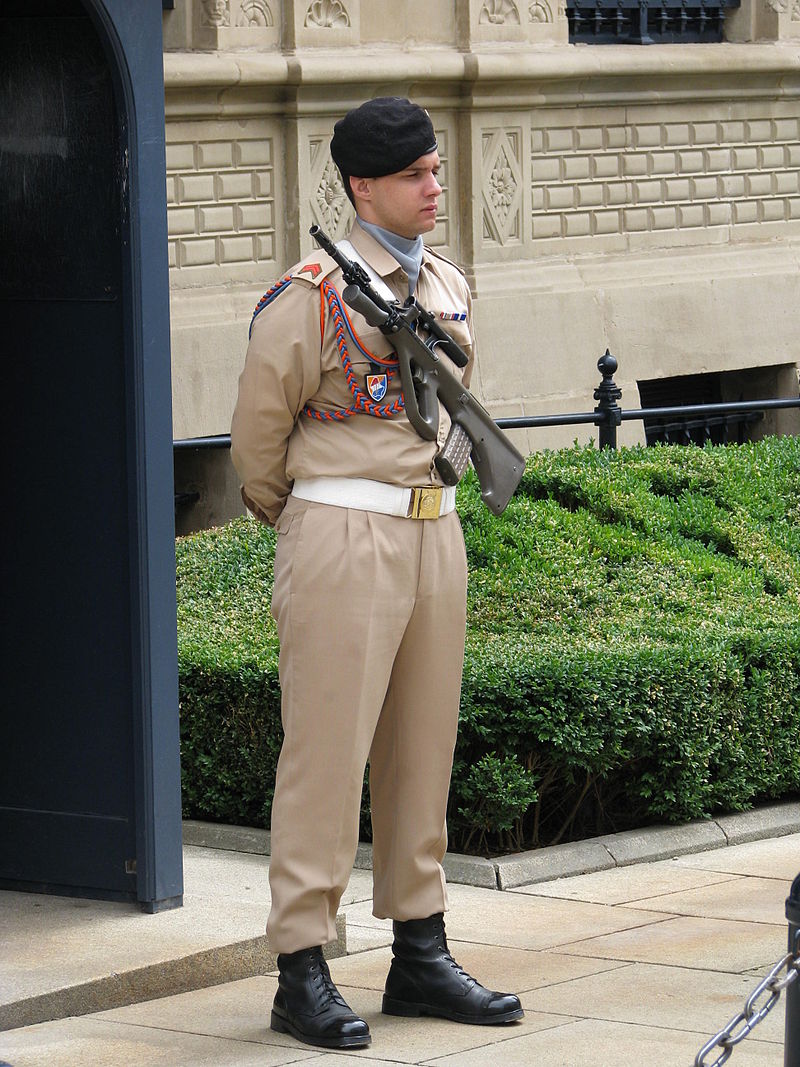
(647, 21)
(608, 416)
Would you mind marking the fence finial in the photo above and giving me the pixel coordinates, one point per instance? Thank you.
(607, 394)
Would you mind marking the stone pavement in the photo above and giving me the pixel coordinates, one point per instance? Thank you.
(629, 965)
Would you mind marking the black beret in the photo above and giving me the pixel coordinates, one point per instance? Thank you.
(381, 137)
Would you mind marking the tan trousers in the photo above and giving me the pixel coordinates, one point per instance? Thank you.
(371, 613)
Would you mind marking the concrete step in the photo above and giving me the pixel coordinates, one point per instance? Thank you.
(64, 956)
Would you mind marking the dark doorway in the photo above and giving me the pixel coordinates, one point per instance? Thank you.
(71, 589)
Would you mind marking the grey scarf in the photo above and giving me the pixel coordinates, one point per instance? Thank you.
(408, 253)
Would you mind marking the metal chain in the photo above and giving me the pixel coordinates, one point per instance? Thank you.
(748, 1019)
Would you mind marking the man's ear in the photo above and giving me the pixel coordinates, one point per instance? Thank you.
(361, 187)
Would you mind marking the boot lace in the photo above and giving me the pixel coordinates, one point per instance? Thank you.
(323, 983)
(441, 940)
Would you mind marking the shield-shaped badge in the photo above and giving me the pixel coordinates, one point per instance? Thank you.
(377, 384)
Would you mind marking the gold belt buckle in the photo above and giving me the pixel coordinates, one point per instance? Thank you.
(426, 502)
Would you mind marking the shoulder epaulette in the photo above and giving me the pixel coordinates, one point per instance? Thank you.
(314, 269)
(438, 255)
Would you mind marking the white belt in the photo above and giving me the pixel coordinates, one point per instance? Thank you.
(420, 502)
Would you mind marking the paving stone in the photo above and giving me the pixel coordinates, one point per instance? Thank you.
(89, 1042)
(605, 1044)
(685, 941)
(622, 885)
(760, 900)
(778, 858)
(677, 998)
(366, 938)
(418, 1040)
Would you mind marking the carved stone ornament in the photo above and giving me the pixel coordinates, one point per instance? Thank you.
(502, 186)
(540, 12)
(216, 13)
(256, 14)
(783, 7)
(328, 15)
(499, 12)
(331, 199)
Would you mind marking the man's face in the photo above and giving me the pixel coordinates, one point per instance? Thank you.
(403, 203)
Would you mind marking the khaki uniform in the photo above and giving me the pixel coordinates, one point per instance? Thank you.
(370, 608)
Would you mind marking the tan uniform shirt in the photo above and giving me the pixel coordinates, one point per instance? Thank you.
(293, 360)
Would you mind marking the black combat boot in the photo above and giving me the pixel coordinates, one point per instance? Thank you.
(310, 1007)
(424, 979)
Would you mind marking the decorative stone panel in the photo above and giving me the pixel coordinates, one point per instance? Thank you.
(763, 20)
(501, 155)
(330, 207)
(221, 200)
(221, 24)
(626, 178)
(501, 184)
(321, 23)
(511, 21)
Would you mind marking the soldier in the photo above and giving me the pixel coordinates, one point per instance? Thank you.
(369, 592)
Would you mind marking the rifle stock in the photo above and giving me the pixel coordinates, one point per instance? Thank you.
(426, 380)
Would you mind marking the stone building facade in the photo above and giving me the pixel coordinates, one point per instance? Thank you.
(641, 199)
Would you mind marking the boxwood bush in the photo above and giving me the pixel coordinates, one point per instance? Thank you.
(632, 654)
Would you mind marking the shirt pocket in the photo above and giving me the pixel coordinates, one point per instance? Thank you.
(379, 378)
(458, 329)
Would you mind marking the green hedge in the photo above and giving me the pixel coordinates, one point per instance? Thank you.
(633, 649)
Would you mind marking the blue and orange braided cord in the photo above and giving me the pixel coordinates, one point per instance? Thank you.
(363, 404)
(268, 297)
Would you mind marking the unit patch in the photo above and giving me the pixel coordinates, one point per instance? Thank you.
(377, 384)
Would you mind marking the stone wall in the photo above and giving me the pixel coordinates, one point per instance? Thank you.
(644, 199)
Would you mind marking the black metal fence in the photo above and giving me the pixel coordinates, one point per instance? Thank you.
(679, 423)
(608, 416)
(647, 21)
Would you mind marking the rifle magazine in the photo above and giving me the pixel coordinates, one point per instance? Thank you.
(453, 459)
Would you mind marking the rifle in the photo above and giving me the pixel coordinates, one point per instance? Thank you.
(426, 380)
